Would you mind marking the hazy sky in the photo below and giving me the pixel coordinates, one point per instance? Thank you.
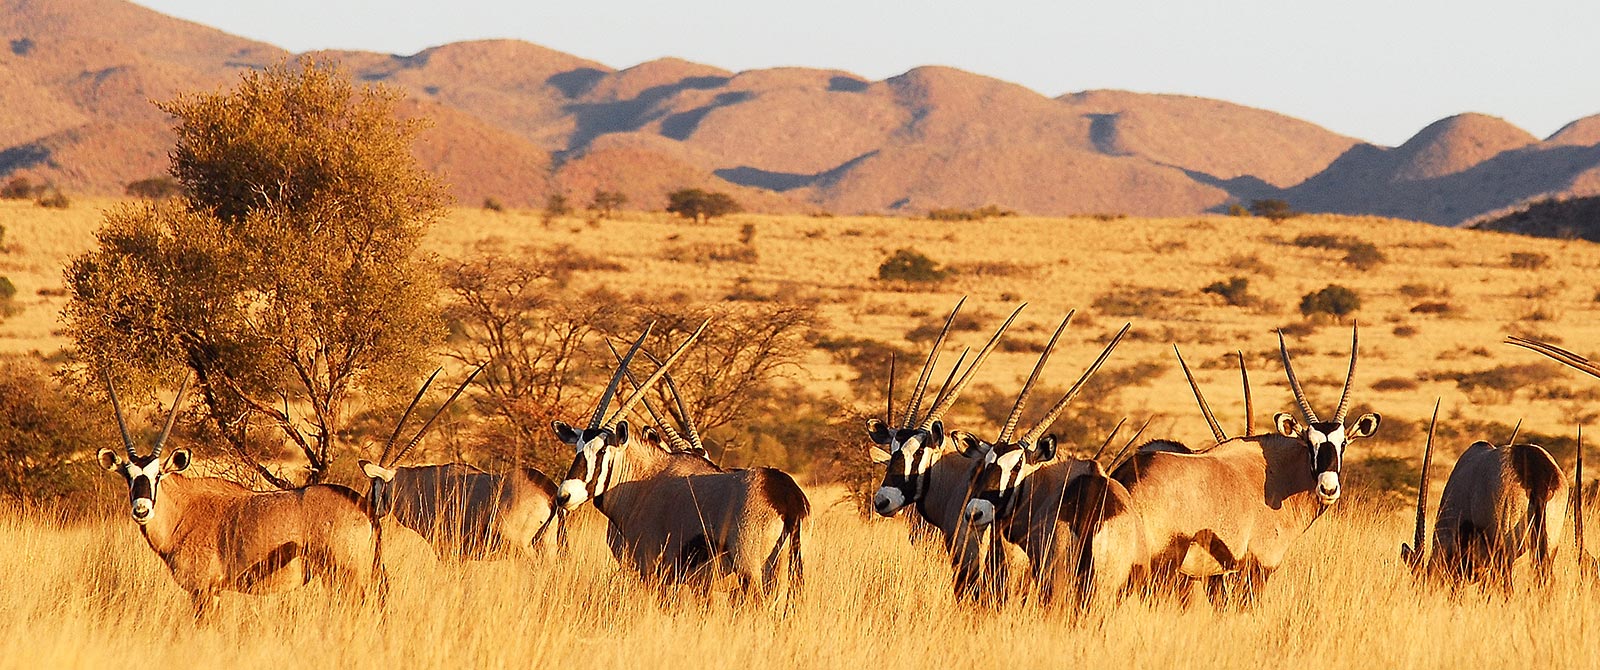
(1378, 70)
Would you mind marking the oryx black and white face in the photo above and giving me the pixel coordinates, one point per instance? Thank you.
(907, 455)
(594, 465)
(143, 474)
(1005, 466)
(1326, 441)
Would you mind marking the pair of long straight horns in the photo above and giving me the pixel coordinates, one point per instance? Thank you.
(1556, 353)
(390, 456)
(122, 424)
(639, 391)
(689, 438)
(1205, 408)
(1033, 433)
(1300, 394)
(951, 390)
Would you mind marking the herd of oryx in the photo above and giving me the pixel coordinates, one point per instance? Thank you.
(1154, 522)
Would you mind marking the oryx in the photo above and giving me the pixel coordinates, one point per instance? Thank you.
(1499, 504)
(215, 535)
(674, 517)
(922, 469)
(1238, 506)
(1075, 523)
(1589, 567)
(462, 511)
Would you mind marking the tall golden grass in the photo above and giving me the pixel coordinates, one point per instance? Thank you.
(93, 595)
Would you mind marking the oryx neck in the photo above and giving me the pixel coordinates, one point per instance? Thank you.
(164, 530)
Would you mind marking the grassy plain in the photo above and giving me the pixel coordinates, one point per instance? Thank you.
(91, 594)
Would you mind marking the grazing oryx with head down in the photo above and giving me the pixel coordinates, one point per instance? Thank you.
(215, 535)
(922, 471)
(1075, 523)
(462, 511)
(1237, 507)
(674, 517)
(1499, 504)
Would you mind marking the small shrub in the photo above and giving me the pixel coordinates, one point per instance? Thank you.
(1134, 301)
(1405, 331)
(964, 322)
(1439, 308)
(1539, 314)
(1394, 384)
(1235, 291)
(1108, 217)
(154, 188)
(1503, 378)
(703, 253)
(1364, 256)
(1250, 263)
(1541, 291)
(1425, 290)
(53, 199)
(910, 265)
(18, 188)
(1323, 241)
(1333, 299)
(1273, 209)
(604, 204)
(1527, 260)
(989, 269)
(979, 214)
(747, 234)
(1238, 209)
(493, 204)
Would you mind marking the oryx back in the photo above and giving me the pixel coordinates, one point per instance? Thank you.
(1499, 504)
(467, 513)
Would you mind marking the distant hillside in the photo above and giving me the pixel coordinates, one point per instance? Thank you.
(516, 121)
(1576, 218)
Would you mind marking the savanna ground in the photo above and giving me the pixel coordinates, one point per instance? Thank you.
(1433, 313)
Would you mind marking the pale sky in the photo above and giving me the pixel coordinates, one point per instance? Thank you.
(1377, 70)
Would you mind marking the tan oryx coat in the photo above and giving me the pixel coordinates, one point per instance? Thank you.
(465, 512)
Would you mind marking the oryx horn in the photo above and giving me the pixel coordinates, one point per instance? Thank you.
(388, 447)
(1249, 405)
(888, 417)
(928, 365)
(1117, 462)
(947, 400)
(1205, 409)
(1415, 553)
(1010, 425)
(1038, 429)
(1114, 430)
(122, 424)
(172, 417)
(429, 423)
(1294, 383)
(1563, 356)
(616, 378)
(1349, 376)
(633, 398)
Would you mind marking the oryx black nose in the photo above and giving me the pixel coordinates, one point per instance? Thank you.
(562, 498)
(880, 504)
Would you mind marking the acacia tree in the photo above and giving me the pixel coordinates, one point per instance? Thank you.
(287, 274)
(514, 312)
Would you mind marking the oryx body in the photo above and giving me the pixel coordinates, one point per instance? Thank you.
(1073, 522)
(924, 469)
(1499, 505)
(674, 516)
(215, 535)
(1233, 510)
(465, 512)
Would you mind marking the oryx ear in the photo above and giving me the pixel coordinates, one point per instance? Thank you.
(179, 460)
(970, 446)
(1044, 451)
(566, 433)
(653, 437)
(879, 456)
(1366, 425)
(110, 460)
(879, 433)
(937, 431)
(1286, 424)
(621, 433)
(375, 471)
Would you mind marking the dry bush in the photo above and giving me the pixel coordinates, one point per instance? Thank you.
(1415, 291)
(1436, 308)
(991, 268)
(1394, 384)
(1250, 263)
(706, 253)
(1142, 301)
(1527, 260)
